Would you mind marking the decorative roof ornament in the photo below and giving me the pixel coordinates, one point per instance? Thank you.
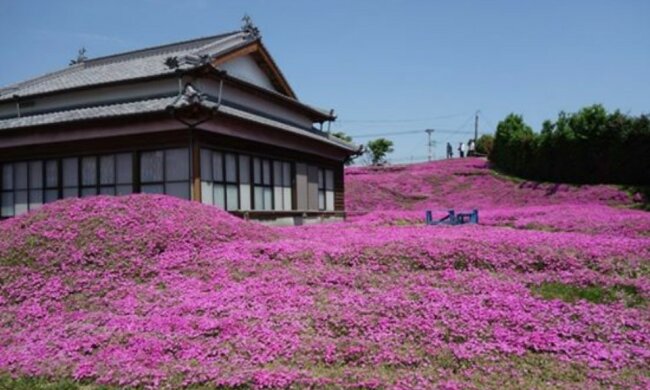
(187, 61)
(81, 57)
(172, 62)
(193, 96)
(249, 27)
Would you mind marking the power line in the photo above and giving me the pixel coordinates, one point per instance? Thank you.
(407, 132)
(400, 120)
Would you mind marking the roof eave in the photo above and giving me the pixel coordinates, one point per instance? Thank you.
(315, 114)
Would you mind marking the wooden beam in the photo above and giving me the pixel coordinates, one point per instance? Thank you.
(253, 47)
(275, 71)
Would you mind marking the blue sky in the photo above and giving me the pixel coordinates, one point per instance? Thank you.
(384, 66)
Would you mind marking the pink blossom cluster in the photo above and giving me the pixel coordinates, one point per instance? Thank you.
(150, 291)
(461, 183)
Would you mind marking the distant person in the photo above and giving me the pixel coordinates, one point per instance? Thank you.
(461, 150)
(470, 148)
(450, 151)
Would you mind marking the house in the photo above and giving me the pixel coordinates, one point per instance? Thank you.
(211, 119)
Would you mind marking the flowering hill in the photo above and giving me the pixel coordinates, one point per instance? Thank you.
(461, 183)
(549, 291)
(401, 194)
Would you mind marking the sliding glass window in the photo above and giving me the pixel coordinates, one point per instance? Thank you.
(51, 180)
(28, 185)
(166, 172)
(262, 184)
(220, 179)
(282, 190)
(241, 182)
(326, 189)
(22, 187)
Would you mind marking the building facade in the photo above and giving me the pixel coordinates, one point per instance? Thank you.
(211, 120)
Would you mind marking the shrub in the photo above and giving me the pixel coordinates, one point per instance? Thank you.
(485, 144)
(590, 146)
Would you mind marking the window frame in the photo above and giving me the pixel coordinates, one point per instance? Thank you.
(225, 182)
(47, 190)
(250, 181)
(142, 183)
(323, 188)
(262, 185)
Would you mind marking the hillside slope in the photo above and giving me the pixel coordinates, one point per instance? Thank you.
(551, 290)
(401, 194)
(461, 183)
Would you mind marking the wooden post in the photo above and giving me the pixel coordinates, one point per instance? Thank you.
(196, 167)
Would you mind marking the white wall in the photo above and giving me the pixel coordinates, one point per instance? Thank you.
(245, 68)
(253, 101)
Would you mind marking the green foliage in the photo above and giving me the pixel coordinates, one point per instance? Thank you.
(342, 136)
(590, 146)
(378, 149)
(512, 143)
(640, 195)
(484, 144)
(594, 294)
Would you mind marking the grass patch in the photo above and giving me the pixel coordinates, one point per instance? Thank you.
(644, 191)
(499, 174)
(37, 383)
(594, 294)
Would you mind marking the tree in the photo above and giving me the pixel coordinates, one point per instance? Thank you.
(512, 143)
(344, 137)
(588, 146)
(484, 144)
(378, 149)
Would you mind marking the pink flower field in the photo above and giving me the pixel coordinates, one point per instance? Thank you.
(550, 290)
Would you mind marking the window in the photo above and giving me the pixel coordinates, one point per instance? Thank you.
(70, 177)
(107, 175)
(51, 181)
(245, 201)
(166, 172)
(262, 184)
(115, 174)
(240, 182)
(22, 187)
(220, 179)
(88, 176)
(123, 173)
(35, 184)
(282, 192)
(28, 185)
(7, 198)
(326, 189)
(21, 181)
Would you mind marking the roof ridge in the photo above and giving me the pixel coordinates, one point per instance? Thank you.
(91, 61)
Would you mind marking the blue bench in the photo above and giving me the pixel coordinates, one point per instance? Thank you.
(453, 219)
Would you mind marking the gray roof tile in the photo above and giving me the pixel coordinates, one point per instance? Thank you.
(159, 105)
(125, 66)
(95, 112)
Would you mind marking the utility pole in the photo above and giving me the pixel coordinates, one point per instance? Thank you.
(429, 131)
(476, 127)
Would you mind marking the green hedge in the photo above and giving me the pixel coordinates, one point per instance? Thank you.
(590, 146)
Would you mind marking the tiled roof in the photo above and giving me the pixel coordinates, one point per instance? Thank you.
(157, 105)
(125, 66)
(95, 112)
(138, 64)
